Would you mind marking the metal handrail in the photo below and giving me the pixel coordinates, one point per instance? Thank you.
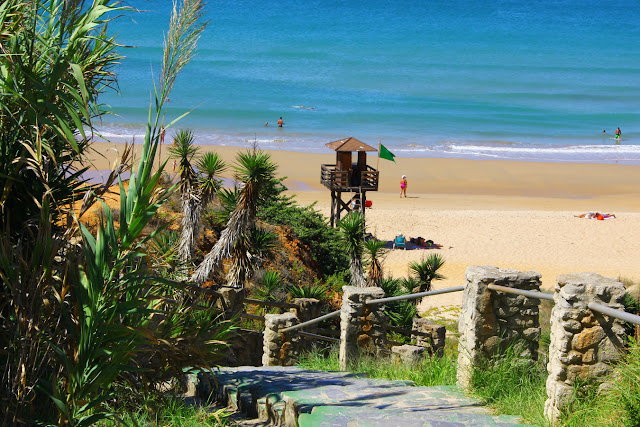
(252, 316)
(530, 294)
(311, 322)
(270, 303)
(414, 296)
(318, 337)
(618, 314)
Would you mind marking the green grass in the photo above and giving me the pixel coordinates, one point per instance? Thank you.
(431, 371)
(170, 412)
(513, 386)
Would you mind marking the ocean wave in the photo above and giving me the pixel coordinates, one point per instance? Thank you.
(572, 149)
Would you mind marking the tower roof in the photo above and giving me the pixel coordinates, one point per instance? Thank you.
(349, 144)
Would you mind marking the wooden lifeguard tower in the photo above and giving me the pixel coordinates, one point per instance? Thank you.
(349, 177)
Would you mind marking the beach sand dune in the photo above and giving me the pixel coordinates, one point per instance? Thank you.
(505, 214)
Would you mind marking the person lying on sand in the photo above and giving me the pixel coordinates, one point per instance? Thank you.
(595, 215)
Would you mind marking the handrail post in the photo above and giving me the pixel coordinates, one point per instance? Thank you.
(280, 349)
(584, 343)
(307, 309)
(360, 325)
(231, 301)
(490, 321)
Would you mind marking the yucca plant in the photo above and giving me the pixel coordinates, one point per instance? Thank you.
(184, 150)
(210, 166)
(352, 232)
(254, 169)
(426, 270)
(373, 253)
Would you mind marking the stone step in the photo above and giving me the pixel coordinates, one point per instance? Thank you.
(338, 416)
(291, 396)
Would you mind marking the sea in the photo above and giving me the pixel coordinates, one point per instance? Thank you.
(532, 80)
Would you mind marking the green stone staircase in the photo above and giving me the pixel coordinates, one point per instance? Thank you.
(291, 396)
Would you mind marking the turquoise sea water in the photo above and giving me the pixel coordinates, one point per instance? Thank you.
(489, 79)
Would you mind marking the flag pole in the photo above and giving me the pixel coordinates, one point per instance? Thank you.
(379, 147)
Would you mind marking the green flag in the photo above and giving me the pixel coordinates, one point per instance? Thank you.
(386, 154)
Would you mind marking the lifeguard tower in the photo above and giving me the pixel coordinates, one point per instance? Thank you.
(349, 177)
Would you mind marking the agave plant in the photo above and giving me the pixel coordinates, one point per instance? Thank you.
(374, 251)
(352, 231)
(253, 169)
(317, 291)
(210, 166)
(426, 270)
(270, 287)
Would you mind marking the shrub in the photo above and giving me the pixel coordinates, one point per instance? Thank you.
(312, 229)
(401, 313)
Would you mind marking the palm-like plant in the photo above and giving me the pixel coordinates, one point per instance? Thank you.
(210, 165)
(270, 287)
(317, 291)
(426, 270)
(401, 313)
(374, 252)
(183, 150)
(229, 199)
(56, 59)
(254, 169)
(352, 232)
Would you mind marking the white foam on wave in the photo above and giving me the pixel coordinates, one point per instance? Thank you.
(433, 147)
(592, 149)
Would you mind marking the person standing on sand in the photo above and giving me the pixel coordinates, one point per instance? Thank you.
(280, 122)
(403, 186)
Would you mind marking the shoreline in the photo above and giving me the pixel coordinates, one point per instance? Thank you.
(588, 149)
(509, 214)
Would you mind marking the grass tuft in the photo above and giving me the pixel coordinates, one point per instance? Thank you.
(431, 371)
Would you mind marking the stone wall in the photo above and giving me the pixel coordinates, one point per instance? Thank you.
(280, 349)
(490, 320)
(362, 327)
(432, 337)
(583, 343)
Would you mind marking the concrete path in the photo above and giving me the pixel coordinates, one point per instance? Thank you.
(290, 396)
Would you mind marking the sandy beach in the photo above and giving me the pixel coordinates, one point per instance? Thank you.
(507, 214)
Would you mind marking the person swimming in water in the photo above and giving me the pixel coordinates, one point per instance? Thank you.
(618, 133)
